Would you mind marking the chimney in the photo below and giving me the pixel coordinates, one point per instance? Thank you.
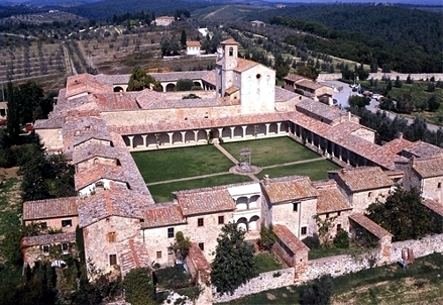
(266, 180)
(400, 135)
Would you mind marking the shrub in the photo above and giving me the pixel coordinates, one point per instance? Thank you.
(184, 85)
(139, 289)
(312, 242)
(341, 240)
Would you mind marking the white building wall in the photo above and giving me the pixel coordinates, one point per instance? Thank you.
(257, 91)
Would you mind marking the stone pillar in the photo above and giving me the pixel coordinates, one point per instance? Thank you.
(244, 130)
(220, 133)
(267, 128)
(131, 141)
(207, 134)
(196, 136)
(144, 136)
(170, 134)
(232, 132)
(278, 127)
(183, 136)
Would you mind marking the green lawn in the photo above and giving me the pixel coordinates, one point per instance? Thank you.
(266, 262)
(175, 163)
(162, 192)
(316, 170)
(272, 151)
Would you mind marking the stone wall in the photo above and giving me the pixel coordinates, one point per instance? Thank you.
(421, 247)
(404, 76)
(265, 281)
(328, 76)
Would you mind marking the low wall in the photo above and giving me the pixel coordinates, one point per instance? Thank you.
(404, 76)
(339, 265)
(421, 247)
(328, 76)
(264, 281)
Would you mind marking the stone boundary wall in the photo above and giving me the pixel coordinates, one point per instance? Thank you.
(404, 76)
(420, 247)
(328, 76)
(264, 281)
(339, 265)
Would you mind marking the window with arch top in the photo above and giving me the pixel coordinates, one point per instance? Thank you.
(231, 51)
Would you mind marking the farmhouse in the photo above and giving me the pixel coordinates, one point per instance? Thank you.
(97, 127)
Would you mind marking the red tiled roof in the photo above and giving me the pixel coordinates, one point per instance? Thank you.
(364, 178)
(309, 84)
(397, 145)
(244, 64)
(97, 172)
(158, 215)
(294, 77)
(229, 41)
(85, 83)
(370, 226)
(115, 202)
(289, 239)
(424, 150)
(429, 167)
(330, 199)
(205, 200)
(192, 43)
(92, 150)
(288, 188)
(50, 208)
(434, 206)
(48, 239)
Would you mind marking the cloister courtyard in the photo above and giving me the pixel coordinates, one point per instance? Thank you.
(174, 169)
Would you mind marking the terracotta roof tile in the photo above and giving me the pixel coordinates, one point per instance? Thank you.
(434, 206)
(210, 77)
(285, 189)
(330, 199)
(85, 83)
(158, 215)
(117, 101)
(364, 178)
(369, 225)
(422, 149)
(289, 239)
(114, 202)
(205, 200)
(309, 84)
(244, 64)
(397, 145)
(331, 113)
(294, 77)
(97, 172)
(175, 76)
(50, 208)
(48, 239)
(92, 150)
(429, 167)
(232, 90)
(229, 41)
(192, 43)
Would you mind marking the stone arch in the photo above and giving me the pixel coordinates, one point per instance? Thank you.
(242, 223)
(118, 89)
(197, 84)
(170, 87)
(242, 203)
(253, 201)
(254, 223)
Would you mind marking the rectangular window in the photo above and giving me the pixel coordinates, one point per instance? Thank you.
(159, 254)
(67, 223)
(46, 249)
(170, 232)
(295, 206)
(200, 222)
(338, 227)
(304, 230)
(65, 247)
(221, 220)
(338, 213)
(439, 185)
(113, 259)
(327, 215)
(201, 246)
(112, 237)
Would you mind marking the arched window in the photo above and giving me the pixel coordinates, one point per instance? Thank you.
(231, 51)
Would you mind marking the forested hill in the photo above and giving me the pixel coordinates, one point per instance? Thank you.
(409, 40)
(108, 8)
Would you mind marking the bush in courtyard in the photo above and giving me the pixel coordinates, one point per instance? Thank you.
(139, 289)
(267, 237)
(312, 242)
(184, 85)
(341, 240)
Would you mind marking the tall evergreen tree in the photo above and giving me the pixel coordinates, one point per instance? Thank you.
(13, 121)
(233, 264)
(183, 39)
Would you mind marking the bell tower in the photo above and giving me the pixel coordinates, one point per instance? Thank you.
(227, 62)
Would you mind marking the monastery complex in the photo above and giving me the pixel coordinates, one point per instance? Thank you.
(96, 124)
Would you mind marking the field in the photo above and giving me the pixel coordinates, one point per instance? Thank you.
(420, 283)
(166, 171)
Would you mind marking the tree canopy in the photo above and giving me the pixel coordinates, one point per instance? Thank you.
(233, 264)
(403, 215)
(139, 288)
(140, 80)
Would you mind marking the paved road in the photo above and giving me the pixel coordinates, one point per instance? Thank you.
(343, 96)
